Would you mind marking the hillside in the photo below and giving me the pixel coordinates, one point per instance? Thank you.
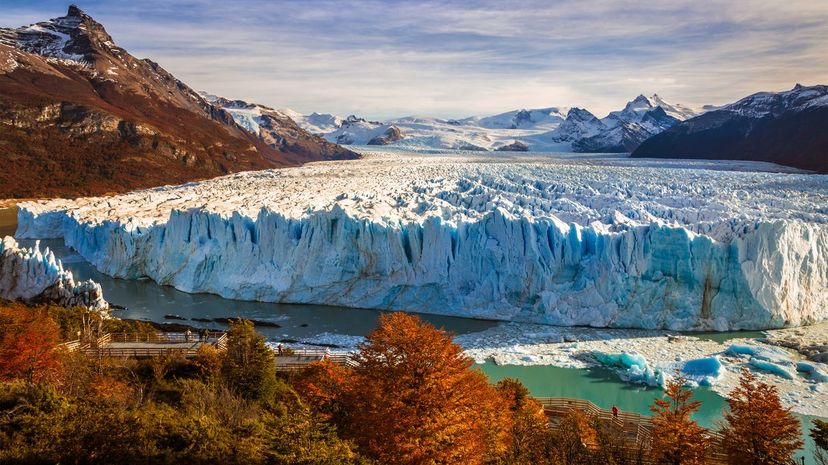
(81, 116)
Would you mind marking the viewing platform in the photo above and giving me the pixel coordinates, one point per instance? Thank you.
(126, 345)
(298, 358)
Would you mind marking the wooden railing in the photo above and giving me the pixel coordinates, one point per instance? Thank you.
(70, 346)
(149, 344)
(636, 427)
(162, 338)
(298, 358)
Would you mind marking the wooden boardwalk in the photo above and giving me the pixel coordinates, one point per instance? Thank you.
(635, 427)
(297, 359)
(126, 345)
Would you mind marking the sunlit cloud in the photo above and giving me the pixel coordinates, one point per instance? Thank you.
(452, 59)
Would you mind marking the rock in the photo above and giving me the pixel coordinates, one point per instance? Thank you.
(516, 146)
(392, 134)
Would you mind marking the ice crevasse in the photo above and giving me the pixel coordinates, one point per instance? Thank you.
(503, 264)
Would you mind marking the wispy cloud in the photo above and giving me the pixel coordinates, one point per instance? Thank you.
(455, 58)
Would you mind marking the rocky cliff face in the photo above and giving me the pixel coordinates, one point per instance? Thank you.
(280, 132)
(80, 115)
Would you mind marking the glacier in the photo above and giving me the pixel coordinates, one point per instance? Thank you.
(560, 239)
(32, 275)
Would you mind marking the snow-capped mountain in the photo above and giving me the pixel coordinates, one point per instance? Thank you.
(544, 129)
(277, 129)
(80, 115)
(789, 128)
(544, 118)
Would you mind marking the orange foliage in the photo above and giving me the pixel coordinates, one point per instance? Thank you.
(758, 430)
(322, 385)
(530, 432)
(28, 340)
(110, 389)
(677, 439)
(413, 398)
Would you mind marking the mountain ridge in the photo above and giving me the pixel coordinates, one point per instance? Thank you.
(787, 128)
(81, 116)
(539, 129)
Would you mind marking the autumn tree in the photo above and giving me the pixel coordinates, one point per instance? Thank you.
(248, 364)
(322, 385)
(757, 429)
(413, 398)
(572, 438)
(677, 439)
(819, 433)
(530, 432)
(28, 341)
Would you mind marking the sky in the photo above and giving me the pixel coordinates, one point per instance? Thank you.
(451, 59)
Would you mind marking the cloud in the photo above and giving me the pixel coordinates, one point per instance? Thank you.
(455, 58)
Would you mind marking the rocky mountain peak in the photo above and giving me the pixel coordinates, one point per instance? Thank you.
(75, 11)
(74, 37)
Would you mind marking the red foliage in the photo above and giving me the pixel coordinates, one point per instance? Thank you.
(28, 340)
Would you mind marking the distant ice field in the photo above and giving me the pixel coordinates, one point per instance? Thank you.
(550, 238)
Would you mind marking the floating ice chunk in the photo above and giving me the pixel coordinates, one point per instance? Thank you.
(704, 371)
(770, 359)
(771, 354)
(771, 367)
(815, 371)
(631, 367)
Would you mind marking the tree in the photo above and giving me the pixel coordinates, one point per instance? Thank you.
(757, 429)
(572, 439)
(248, 364)
(322, 386)
(413, 398)
(819, 433)
(28, 342)
(677, 439)
(530, 432)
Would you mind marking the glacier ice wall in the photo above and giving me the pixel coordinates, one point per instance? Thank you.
(559, 239)
(34, 276)
(500, 266)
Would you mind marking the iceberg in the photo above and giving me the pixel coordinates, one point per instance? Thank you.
(566, 240)
(772, 367)
(703, 371)
(770, 359)
(632, 367)
(815, 371)
(32, 275)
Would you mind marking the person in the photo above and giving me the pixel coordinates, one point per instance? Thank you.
(187, 335)
(614, 412)
(279, 349)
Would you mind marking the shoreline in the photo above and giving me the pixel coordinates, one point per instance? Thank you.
(519, 344)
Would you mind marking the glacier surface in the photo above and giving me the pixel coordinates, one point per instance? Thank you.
(33, 275)
(556, 239)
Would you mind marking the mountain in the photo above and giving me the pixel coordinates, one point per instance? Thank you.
(523, 119)
(789, 128)
(279, 131)
(80, 115)
(544, 129)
